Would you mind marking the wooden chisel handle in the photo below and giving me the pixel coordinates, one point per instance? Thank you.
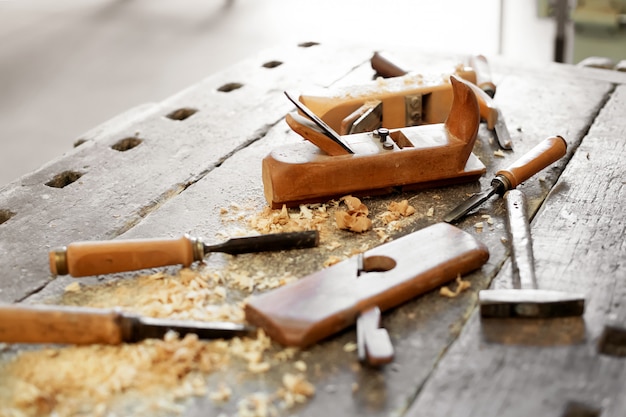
(386, 67)
(546, 152)
(483, 74)
(54, 324)
(82, 259)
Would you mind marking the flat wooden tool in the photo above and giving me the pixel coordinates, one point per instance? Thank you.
(414, 157)
(323, 303)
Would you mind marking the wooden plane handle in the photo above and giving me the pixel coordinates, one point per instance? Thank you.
(55, 324)
(81, 259)
(483, 74)
(488, 109)
(386, 67)
(330, 300)
(546, 152)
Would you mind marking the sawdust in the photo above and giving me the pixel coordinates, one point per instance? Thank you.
(157, 376)
(153, 375)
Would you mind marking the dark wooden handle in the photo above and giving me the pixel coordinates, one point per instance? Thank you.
(483, 74)
(54, 324)
(386, 67)
(81, 259)
(330, 300)
(546, 152)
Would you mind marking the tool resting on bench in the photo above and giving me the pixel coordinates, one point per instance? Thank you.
(526, 300)
(334, 165)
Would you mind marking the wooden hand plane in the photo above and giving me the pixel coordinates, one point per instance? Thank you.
(408, 100)
(377, 162)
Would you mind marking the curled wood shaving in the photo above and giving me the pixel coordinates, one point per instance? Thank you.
(355, 218)
(397, 210)
(461, 286)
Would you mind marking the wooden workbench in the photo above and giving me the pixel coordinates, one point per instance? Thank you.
(144, 174)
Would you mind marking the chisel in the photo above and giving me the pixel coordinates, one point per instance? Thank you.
(81, 259)
(21, 323)
(539, 157)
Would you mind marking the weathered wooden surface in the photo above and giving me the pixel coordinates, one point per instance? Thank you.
(578, 246)
(184, 172)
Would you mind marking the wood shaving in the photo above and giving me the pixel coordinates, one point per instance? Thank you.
(460, 287)
(300, 366)
(382, 234)
(332, 260)
(479, 226)
(333, 245)
(397, 210)
(350, 347)
(355, 218)
(308, 218)
(499, 153)
(488, 219)
(297, 384)
(222, 394)
(73, 287)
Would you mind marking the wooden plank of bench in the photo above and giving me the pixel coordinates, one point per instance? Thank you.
(553, 366)
(97, 192)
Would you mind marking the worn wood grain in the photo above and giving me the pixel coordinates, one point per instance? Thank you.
(579, 246)
(213, 159)
(113, 190)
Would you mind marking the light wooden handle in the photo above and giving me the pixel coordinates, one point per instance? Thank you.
(483, 74)
(53, 324)
(546, 152)
(81, 259)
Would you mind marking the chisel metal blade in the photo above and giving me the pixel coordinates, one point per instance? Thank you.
(502, 133)
(468, 205)
(328, 131)
(152, 328)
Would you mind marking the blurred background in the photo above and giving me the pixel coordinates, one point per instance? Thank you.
(68, 65)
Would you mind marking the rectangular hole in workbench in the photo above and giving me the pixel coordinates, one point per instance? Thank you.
(5, 215)
(272, 64)
(182, 114)
(228, 87)
(126, 144)
(64, 179)
(576, 409)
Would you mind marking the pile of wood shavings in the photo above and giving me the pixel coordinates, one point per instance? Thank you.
(143, 378)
